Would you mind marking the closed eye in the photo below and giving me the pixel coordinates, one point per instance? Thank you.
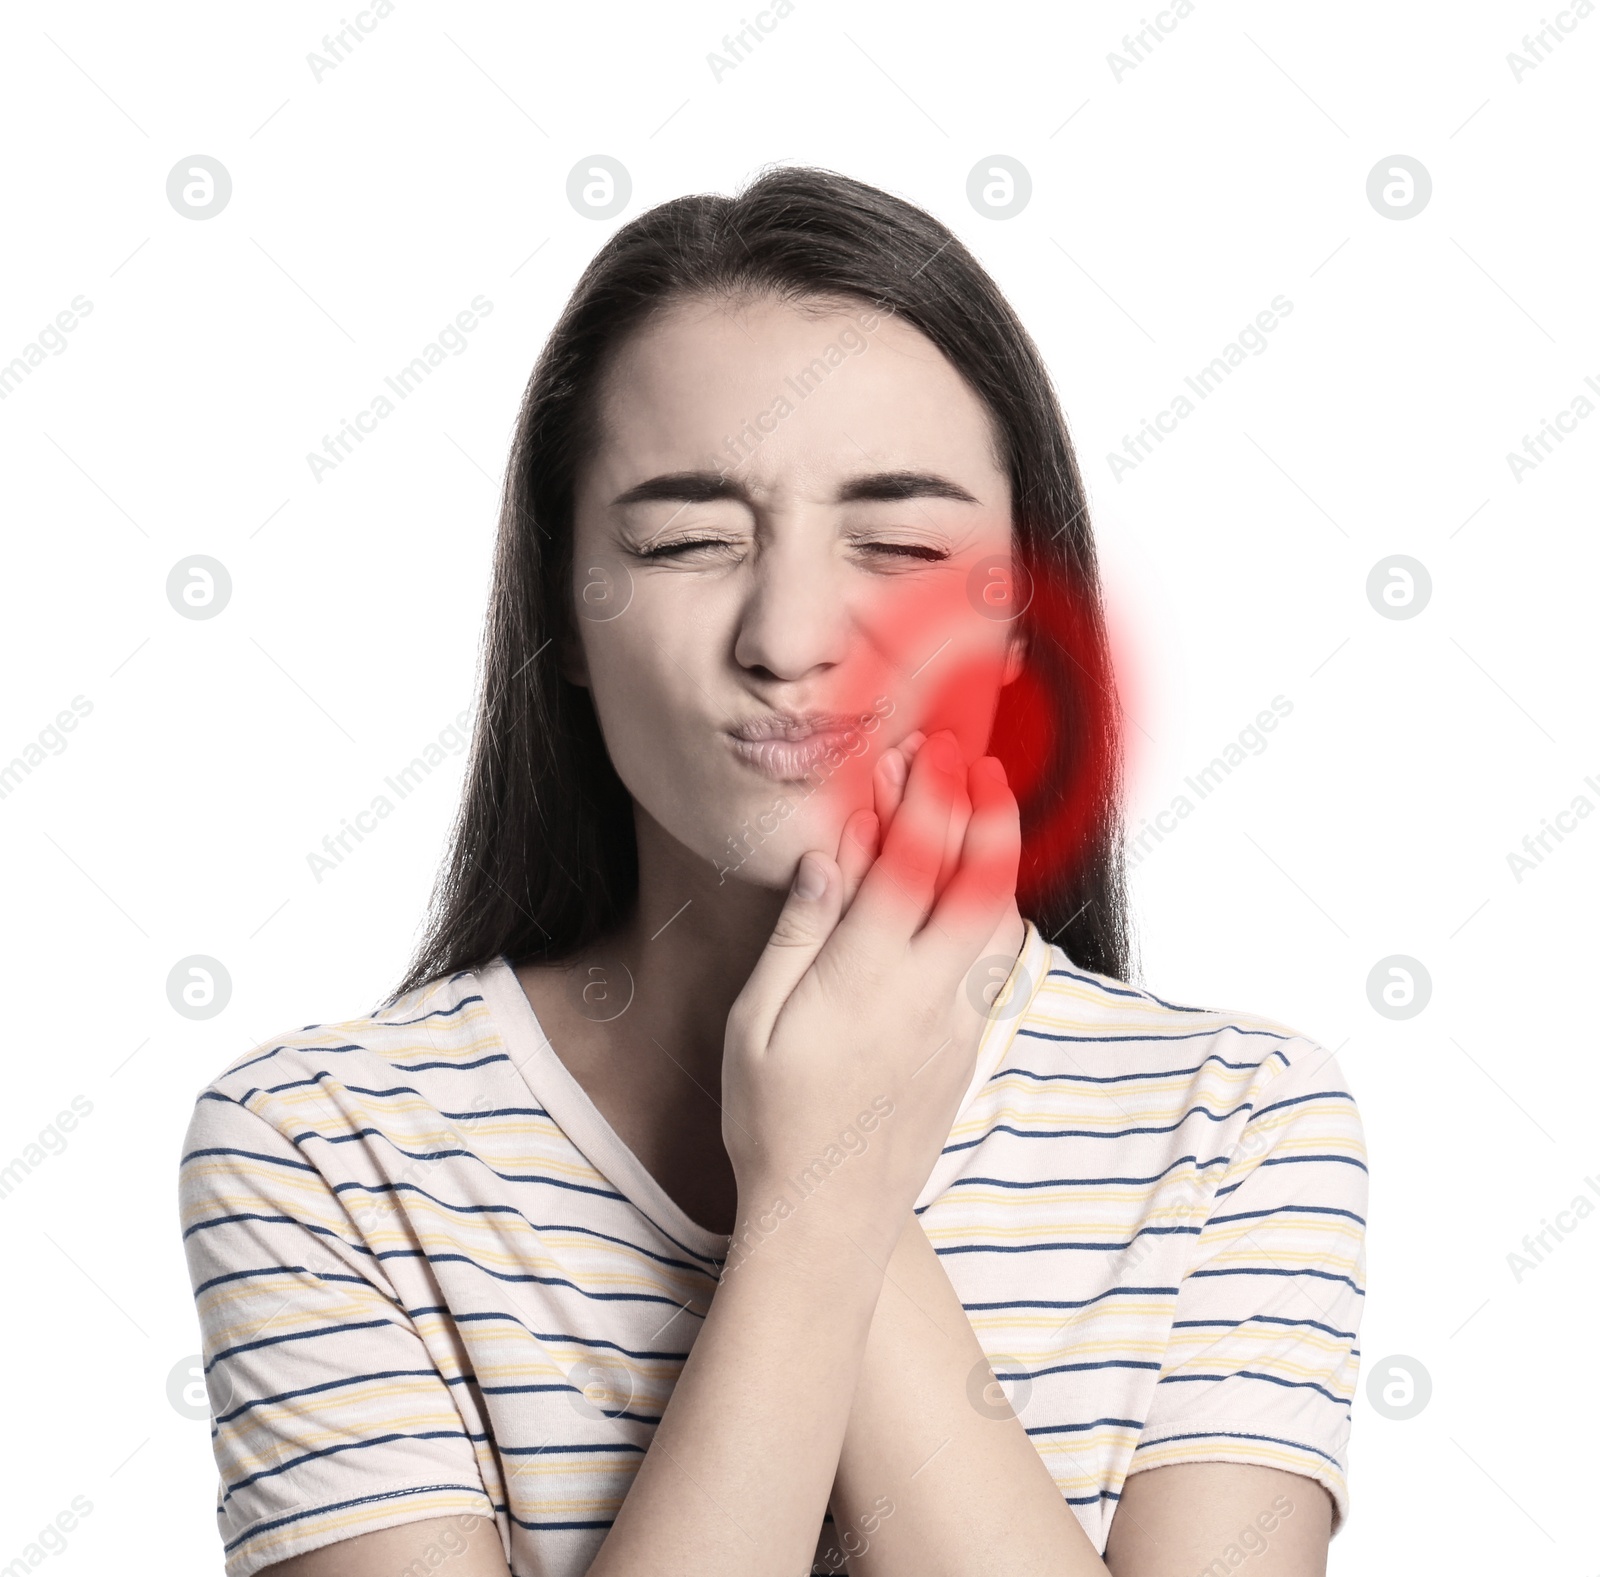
(910, 550)
(665, 550)
(905, 550)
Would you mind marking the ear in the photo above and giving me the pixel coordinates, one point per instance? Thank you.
(1016, 656)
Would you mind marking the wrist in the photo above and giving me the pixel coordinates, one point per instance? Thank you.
(826, 1238)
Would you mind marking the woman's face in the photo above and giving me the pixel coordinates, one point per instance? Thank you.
(791, 550)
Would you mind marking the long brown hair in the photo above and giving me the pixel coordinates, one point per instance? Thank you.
(541, 859)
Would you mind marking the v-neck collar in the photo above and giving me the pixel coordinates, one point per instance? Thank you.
(568, 1104)
(555, 1089)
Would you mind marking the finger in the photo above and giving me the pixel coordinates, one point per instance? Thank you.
(985, 882)
(898, 891)
(955, 835)
(909, 746)
(894, 764)
(889, 784)
(858, 847)
(960, 814)
(806, 921)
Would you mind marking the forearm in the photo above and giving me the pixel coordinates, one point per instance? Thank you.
(738, 1473)
(970, 1494)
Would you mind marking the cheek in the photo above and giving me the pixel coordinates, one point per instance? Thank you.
(654, 680)
(944, 664)
(638, 686)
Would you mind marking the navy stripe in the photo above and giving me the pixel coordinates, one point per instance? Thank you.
(547, 1386)
(397, 1089)
(1290, 1160)
(1094, 1423)
(274, 1220)
(1122, 1078)
(1121, 1040)
(1319, 1275)
(298, 1336)
(527, 1278)
(444, 1155)
(590, 1343)
(1090, 980)
(267, 1056)
(1087, 1182)
(1077, 1368)
(499, 1111)
(386, 1254)
(334, 1385)
(1300, 1100)
(1278, 1210)
(533, 1226)
(1096, 1133)
(277, 1270)
(1293, 1160)
(1300, 1160)
(401, 1023)
(349, 1445)
(394, 1059)
(444, 1067)
(249, 1155)
(1252, 1374)
(1040, 1248)
(1069, 1303)
(1263, 1319)
(574, 1449)
(505, 1177)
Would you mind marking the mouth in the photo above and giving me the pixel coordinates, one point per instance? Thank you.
(791, 747)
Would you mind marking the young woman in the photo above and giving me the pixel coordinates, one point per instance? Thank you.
(763, 1165)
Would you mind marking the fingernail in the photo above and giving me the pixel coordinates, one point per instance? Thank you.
(894, 767)
(810, 880)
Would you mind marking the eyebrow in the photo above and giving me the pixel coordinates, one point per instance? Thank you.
(703, 487)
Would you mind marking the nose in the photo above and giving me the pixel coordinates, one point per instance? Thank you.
(794, 622)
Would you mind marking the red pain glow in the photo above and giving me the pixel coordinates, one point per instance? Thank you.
(1057, 728)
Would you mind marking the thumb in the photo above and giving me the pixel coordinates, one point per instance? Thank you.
(804, 924)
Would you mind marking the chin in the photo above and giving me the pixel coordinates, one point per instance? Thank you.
(770, 870)
(768, 844)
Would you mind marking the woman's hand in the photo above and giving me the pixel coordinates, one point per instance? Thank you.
(850, 1046)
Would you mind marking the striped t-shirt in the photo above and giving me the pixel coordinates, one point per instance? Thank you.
(432, 1279)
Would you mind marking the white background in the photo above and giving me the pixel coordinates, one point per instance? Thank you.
(1168, 208)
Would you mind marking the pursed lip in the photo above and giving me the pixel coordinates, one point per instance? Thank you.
(798, 725)
(787, 746)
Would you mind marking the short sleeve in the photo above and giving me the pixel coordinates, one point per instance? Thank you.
(1263, 1354)
(330, 1418)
